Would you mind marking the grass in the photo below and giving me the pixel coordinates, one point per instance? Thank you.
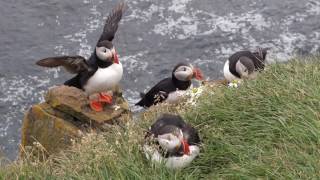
(268, 128)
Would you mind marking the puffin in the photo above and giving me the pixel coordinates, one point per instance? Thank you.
(172, 141)
(245, 64)
(98, 75)
(172, 88)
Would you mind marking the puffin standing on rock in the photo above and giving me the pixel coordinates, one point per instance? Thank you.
(170, 89)
(245, 64)
(171, 141)
(102, 72)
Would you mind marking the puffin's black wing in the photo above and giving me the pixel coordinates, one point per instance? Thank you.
(73, 64)
(111, 25)
(158, 93)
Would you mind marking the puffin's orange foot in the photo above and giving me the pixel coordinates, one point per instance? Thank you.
(96, 106)
(106, 98)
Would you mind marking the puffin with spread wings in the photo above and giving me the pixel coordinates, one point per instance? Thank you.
(98, 75)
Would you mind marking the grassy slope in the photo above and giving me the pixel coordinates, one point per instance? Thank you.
(267, 128)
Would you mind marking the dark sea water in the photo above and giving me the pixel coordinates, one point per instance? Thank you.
(153, 36)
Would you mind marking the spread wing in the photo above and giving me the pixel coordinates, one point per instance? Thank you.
(73, 64)
(111, 24)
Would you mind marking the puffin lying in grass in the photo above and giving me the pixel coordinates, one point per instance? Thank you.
(244, 65)
(171, 89)
(171, 141)
(102, 72)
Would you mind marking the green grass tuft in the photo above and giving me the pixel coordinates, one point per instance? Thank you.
(266, 128)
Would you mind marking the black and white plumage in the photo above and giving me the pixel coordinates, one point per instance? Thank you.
(245, 64)
(171, 141)
(103, 70)
(172, 88)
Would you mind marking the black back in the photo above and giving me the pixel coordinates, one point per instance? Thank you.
(168, 85)
(160, 91)
(190, 133)
(257, 60)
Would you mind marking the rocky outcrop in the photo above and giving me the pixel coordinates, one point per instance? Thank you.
(65, 116)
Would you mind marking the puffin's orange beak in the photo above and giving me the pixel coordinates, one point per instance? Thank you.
(197, 73)
(115, 57)
(186, 148)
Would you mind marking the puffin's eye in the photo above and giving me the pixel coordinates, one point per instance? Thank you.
(184, 68)
(105, 50)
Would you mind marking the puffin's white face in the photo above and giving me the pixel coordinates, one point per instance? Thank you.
(184, 73)
(170, 141)
(104, 53)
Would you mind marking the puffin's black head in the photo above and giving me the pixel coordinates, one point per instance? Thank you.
(261, 53)
(106, 52)
(169, 129)
(185, 72)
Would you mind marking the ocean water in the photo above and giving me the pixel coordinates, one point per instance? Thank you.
(153, 36)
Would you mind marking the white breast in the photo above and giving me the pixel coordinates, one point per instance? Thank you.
(104, 79)
(227, 74)
(175, 96)
(171, 162)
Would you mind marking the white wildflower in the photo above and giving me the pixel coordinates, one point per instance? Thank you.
(234, 83)
(37, 144)
(116, 107)
(194, 94)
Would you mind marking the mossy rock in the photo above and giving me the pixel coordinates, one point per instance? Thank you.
(66, 115)
(50, 131)
(74, 102)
